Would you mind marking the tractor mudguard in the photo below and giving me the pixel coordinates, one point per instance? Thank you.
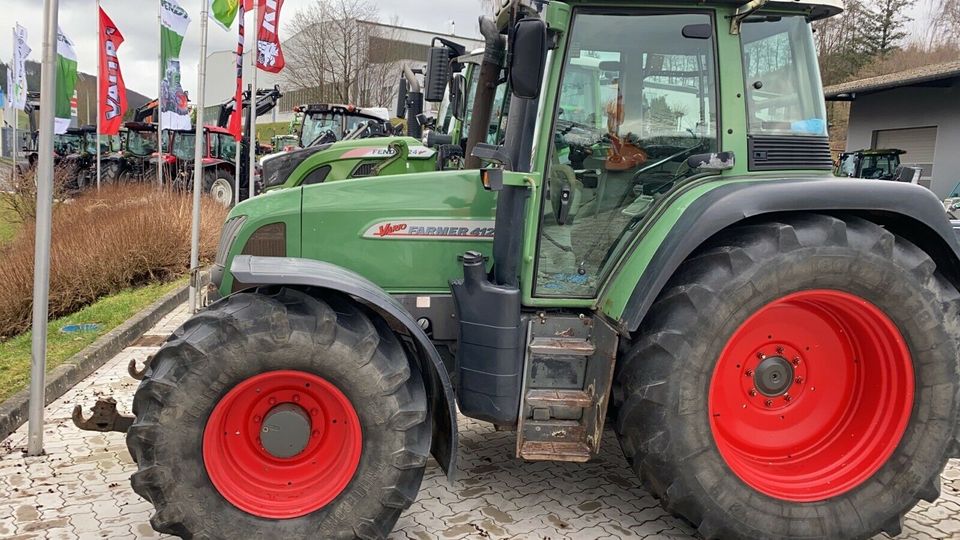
(309, 273)
(908, 210)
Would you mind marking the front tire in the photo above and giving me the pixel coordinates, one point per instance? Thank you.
(278, 357)
(219, 185)
(850, 419)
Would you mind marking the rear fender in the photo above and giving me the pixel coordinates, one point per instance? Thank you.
(908, 210)
(305, 273)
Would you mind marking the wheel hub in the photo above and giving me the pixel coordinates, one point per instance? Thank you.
(774, 376)
(286, 431)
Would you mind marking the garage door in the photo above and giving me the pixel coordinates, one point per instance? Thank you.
(919, 144)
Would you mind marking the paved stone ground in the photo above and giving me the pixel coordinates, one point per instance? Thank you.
(81, 488)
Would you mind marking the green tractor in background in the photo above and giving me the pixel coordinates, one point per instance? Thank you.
(442, 147)
(775, 348)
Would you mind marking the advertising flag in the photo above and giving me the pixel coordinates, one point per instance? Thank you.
(269, 53)
(66, 82)
(18, 93)
(113, 91)
(236, 118)
(224, 12)
(174, 109)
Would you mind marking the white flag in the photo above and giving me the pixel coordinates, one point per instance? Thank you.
(21, 51)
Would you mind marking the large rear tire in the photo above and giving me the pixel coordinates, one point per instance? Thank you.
(280, 357)
(796, 379)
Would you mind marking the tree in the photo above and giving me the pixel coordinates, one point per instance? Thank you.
(339, 52)
(885, 26)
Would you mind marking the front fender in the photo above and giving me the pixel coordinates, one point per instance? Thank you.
(908, 210)
(309, 273)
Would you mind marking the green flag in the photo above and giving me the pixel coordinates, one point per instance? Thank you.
(173, 100)
(224, 12)
(66, 81)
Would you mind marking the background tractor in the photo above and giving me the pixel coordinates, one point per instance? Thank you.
(672, 258)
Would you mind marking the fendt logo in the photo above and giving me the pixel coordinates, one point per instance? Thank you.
(389, 228)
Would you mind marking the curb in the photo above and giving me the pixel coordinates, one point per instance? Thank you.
(13, 411)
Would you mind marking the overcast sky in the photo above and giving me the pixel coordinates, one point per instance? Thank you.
(137, 21)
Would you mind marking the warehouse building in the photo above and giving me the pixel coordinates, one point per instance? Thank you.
(917, 111)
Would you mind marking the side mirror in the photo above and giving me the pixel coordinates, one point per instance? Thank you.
(528, 53)
(717, 161)
(458, 101)
(402, 90)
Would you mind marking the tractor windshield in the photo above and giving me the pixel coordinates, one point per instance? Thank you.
(637, 98)
(315, 125)
(184, 145)
(784, 94)
(141, 143)
(67, 144)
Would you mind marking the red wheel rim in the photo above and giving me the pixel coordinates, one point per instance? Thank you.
(256, 480)
(840, 415)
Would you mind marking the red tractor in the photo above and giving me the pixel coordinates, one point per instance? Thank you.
(219, 162)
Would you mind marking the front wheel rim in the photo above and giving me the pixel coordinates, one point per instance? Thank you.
(244, 463)
(811, 395)
(222, 192)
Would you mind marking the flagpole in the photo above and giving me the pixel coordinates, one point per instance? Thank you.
(99, 54)
(159, 112)
(253, 98)
(16, 126)
(41, 274)
(198, 160)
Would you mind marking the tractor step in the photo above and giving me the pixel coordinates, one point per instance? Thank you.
(561, 346)
(566, 387)
(555, 451)
(559, 398)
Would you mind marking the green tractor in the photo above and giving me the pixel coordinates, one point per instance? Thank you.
(775, 348)
(441, 148)
(876, 164)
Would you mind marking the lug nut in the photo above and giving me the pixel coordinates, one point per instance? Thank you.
(256, 419)
(779, 350)
(761, 356)
(272, 401)
(748, 373)
(796, 361)
(768, 403)
(752, 392)
(296, 398)
(798, 380)
(787, 398)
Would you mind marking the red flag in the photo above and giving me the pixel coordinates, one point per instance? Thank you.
(269, 53)
(236, 118)
(113, 91)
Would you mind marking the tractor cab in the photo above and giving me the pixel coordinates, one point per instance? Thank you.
(326, 122)
(875, 164)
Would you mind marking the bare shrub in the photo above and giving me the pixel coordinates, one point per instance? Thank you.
(21, 199)
(103, 242)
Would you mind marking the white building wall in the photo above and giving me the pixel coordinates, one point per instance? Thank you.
(221, 68)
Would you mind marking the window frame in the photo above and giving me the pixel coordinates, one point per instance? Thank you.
(609, 267)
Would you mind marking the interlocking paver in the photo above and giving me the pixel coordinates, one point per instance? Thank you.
(81, 490)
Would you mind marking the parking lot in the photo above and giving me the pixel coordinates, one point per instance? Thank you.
(81, 488)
